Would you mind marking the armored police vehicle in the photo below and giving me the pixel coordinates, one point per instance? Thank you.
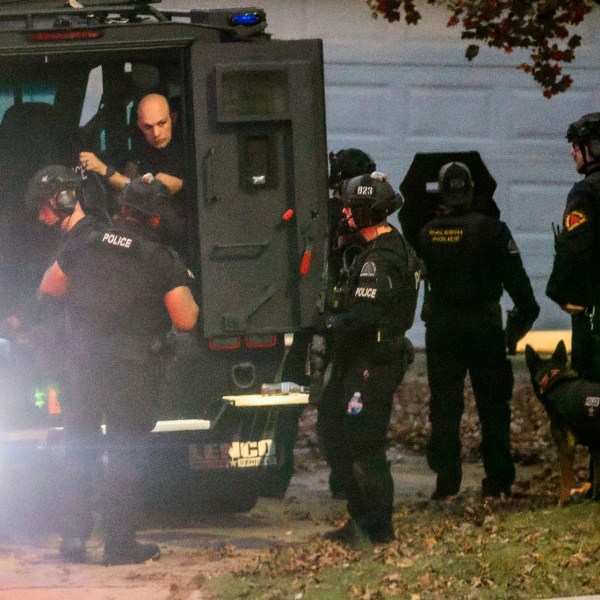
(250, 113)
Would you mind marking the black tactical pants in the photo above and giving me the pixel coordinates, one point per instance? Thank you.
(461, 340)
(353, 438)
(104, 471)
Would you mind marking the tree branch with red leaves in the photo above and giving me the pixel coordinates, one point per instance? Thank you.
(540, 26)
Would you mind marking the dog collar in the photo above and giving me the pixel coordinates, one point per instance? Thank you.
(555, 376)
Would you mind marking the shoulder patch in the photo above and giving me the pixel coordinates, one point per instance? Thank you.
(368, 269)
(512, 247)
(574, 219)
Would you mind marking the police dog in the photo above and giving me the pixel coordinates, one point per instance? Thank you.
(573, 406)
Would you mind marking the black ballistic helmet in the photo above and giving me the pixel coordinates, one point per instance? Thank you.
(348, 163)
(144, 194)
(586, 132)
(55, 181)
(371, 199)
(456, 184)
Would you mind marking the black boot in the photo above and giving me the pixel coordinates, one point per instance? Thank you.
(446, 487)
(129, 553)
(345, 534)
(381, 534)
(350, 535)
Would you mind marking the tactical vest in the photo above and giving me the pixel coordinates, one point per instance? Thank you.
(402, 315)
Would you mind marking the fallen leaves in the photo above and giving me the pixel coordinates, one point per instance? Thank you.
(365, 593)
(405, 562)
(306, 559)
(579, 559)
(409, 429)
(468, 547)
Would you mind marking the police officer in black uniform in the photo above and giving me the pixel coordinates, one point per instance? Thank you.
(123, 292)
(370, 356)
(309, 354)
(574, 283)
(55, 197)
(470, 259)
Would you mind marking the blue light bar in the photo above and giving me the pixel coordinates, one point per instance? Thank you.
(248, 18)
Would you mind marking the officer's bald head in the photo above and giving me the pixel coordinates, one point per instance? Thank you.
(154, 120)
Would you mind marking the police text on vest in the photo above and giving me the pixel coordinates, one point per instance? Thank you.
(362, 292)
(117, 240)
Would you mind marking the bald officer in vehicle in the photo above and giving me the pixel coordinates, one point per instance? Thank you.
(160, 153)
(155, 121)
(124, 290)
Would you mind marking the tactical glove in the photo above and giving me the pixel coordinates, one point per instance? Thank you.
(516, 328)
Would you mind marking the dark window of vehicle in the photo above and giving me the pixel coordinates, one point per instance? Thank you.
(253, 93)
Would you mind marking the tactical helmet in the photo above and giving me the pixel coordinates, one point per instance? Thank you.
(371, 199)
(144, 194)
(586, 132)
(348, 163)
(55, 181)
(456, 184)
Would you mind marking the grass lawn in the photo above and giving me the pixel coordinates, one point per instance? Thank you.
(465, 549)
